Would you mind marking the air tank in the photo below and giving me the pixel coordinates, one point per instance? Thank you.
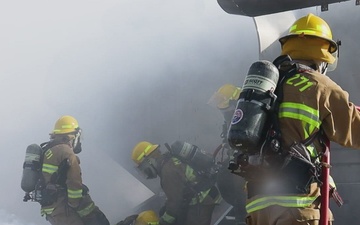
(31, 167)
(247, 129)
(193, 155)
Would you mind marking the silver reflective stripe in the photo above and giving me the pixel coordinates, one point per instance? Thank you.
(300, 112)
(86, 211)
(48, 168)
(74, 193)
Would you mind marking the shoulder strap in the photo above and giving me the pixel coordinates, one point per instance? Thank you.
(308, 141)
(287, 68)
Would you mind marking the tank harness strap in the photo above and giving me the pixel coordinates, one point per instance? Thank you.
(287, 68)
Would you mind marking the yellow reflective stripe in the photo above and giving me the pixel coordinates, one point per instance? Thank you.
(74, 193)
(312, 151)
(48, 154)
(66, 127)
(168, 218)
(285, 201)
(300, 112)
(199, 197)
(319, 28)
(143, 154)
(48, 168)
(189, 174)
(191, 177)
(86, 211)
(176, 161)
(237, 90)
(306, 32)
(69, 126)
(45, 211)
(311, 148)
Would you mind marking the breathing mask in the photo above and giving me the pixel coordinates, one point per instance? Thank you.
(147, 168)
(76, 142)
(336, 54)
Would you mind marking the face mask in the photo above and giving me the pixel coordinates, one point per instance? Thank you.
(147, 168)
(332, 67)
(229, 112)
(76, 143)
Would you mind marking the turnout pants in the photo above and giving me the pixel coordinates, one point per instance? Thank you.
(65, 215)
(68, 217)
(199, 215)
(278, 215)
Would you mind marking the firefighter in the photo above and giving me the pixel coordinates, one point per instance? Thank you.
(224, 99)
(65, 199)
(230, 185)
(148, 217)
(311, 104)
(190, 197)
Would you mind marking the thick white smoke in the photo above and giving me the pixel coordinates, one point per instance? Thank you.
(127, 70)
(10, 219)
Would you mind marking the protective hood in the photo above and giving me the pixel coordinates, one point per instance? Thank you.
(308, 48)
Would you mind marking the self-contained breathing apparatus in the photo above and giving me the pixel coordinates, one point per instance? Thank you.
(254, 132)
(198, 159)
(202, 163)
(32, 181)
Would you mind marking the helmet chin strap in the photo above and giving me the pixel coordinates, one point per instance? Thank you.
(324, 68)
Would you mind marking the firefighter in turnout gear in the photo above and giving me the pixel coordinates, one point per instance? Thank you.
(65, 199)
(283, 190)
(148, 217)
(230, 185)
(191, 198)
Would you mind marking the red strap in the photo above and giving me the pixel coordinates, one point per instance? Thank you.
(325, 189)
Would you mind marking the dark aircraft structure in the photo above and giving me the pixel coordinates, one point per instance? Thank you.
(255, 8)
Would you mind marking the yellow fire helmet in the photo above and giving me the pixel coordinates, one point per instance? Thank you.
(223, 95)
(310, 37)
(66, 125)
(141, 150)
(148, 217)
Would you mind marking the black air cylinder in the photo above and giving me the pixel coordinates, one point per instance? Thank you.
(193, 155)
(248, 125)
(31, 167)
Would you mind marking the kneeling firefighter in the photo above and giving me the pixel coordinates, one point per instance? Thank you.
(286, 112)
(191, 193)
(59, 189)
(229, 184)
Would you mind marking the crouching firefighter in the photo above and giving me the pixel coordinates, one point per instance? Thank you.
(285, 113)
(64, 199)
(191, 194)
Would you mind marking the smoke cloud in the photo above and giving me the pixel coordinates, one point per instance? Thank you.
(128, 71)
